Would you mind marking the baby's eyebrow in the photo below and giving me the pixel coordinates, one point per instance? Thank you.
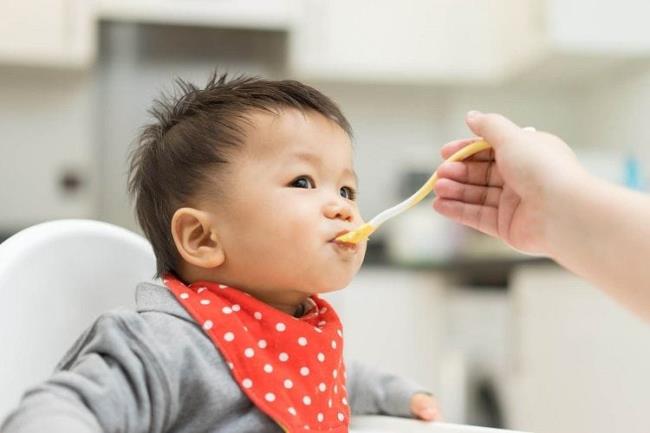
(351, 173)
(309, 157)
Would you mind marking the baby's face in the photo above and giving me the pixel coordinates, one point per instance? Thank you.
(289, 192)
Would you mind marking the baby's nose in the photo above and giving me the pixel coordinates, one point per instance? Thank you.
(339, 210)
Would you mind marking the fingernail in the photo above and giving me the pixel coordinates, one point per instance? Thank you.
(472, 114)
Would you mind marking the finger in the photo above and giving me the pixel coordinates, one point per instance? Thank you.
(452, 147)
(479, 217)
(472, 194)
(425, 407)
(428, 414)
(472, 172)
(495, 128)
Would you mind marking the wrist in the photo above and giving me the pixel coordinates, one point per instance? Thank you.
(562, 207)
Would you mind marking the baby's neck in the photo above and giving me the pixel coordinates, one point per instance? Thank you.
(291, 302)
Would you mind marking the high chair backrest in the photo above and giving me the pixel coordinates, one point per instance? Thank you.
(55, 279)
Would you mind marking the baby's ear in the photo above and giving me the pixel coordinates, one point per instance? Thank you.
(196, 238)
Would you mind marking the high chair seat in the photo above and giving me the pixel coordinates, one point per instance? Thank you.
(56, 278)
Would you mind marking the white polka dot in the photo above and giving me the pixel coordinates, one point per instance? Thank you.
(222, 286)
(320, 417)
(306, 400)
(269, 396)
(329, 403)
(318, 330)
(288, 383)
(333, 344)
(344, 401)
(323, 310)
(201, 289)
(336, 389)
(306, 427)
(257, 315)
(236, 307)
(165, 280)
(205, 302)
(246, 328)
(184, 295)
(320, 356)
(268, 368)
(207, 324)
(304, 371)
(249, 352)
(334, 373)
(231, 365)
(292, 411)
(322, 387)
(338, 331)
(283, 357)
(228, 336)
(322, 323)
(247, 383)
(340, 416)
(261, 344)
(302, 341)
(226, 310)
(280, 327)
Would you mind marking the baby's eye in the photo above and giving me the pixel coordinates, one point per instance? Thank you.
(347, 192)
(303, 182)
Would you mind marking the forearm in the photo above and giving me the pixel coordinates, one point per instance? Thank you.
(373, 392)
(53, 410)
(602, 232)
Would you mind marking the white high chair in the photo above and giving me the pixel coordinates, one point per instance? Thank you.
(57, 277)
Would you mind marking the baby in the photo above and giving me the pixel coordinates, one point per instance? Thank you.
(242, 188)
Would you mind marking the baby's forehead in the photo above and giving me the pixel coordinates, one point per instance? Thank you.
(291, 133)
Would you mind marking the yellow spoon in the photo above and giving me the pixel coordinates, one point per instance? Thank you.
(362, 232)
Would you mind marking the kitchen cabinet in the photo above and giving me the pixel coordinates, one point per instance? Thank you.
(56, 33)
(49, 160)
(464, 41)
(579, 360)
(413, 40)
(607, 27)
(272, 15)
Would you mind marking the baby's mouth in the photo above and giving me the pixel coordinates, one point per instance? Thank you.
(348, 246)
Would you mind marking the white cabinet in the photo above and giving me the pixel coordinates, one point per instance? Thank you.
(47, 32)
(464, 41)
(580, 362)
(599, 27)
(243, 14)
(413, 40)
(48, 163)
(394, 320)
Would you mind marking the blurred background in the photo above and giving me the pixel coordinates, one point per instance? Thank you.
(502, 339)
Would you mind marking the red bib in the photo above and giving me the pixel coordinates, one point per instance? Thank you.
(291, 368)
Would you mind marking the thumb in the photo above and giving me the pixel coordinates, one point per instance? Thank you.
(494, 128)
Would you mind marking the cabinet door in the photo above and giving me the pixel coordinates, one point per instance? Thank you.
(47, 155)
(580, 360)
(599, 27)
(412, 40)
(47, 32)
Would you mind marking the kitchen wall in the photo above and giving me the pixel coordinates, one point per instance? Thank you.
(60, 125)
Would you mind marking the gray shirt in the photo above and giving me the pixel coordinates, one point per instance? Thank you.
(154, 370)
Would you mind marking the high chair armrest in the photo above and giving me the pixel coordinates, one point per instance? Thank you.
(388, 424)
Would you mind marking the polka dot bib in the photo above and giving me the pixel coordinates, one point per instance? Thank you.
(290, 368)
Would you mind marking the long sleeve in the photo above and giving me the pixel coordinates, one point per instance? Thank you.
(108, 382)
(372, 392)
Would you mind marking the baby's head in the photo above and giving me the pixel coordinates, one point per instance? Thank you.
(247, 182)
